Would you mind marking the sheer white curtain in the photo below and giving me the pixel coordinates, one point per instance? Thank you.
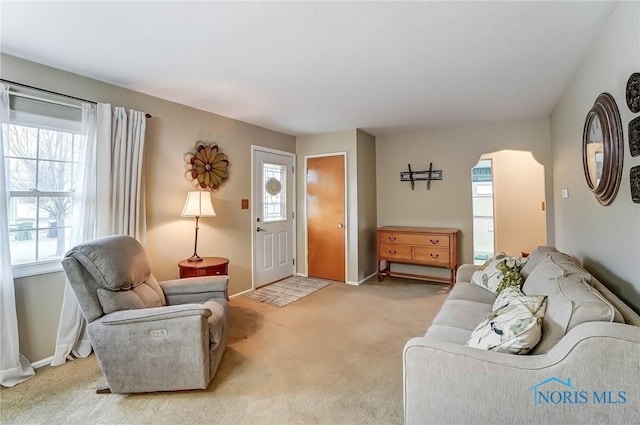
(111, 202)
(72, 338)
(14, 367)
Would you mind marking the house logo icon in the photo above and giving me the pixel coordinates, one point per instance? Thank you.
(537, 389)
(554, 391)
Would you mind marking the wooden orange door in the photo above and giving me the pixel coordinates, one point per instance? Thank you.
(326, 217)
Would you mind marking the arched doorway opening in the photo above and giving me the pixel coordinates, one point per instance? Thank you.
(508, 195)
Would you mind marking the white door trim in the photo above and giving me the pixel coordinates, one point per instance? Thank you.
(255, 148)
(346, 213)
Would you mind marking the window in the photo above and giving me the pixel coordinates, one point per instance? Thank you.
(275, 192)
(42, 155)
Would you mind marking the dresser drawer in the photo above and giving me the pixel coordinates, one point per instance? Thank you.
(431, 254)
(415, 239)
(391, 251)
(436, 240)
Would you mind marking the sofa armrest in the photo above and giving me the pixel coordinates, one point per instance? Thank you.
(448, 383)
(195, 289)
(465, 271)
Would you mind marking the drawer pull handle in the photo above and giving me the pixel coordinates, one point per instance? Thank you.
(392, 238)
(392, 251)
(435, 241)
(434, 255)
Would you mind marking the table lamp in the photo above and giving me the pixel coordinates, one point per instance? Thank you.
(198, 205)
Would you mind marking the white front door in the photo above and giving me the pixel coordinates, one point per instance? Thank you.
(272, 215)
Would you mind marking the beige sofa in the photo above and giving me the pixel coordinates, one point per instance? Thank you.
(586, 368)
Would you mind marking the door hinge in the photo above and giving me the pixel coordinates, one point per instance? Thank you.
(293, 260)
(293, 215)
(293, 169)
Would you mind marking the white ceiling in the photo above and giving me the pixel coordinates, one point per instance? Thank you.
(315, 67)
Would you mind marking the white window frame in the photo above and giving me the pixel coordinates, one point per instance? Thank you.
(47, 123)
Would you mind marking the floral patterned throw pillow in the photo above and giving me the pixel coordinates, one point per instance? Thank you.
(514, 328)
(499, 272)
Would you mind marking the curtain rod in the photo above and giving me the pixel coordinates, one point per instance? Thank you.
(50, 92)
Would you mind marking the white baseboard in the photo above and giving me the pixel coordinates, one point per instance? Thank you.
(302, 274)
(41, 363)
(240, 293)
(352, 283)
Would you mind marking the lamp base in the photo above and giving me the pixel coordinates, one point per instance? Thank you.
(194, 258)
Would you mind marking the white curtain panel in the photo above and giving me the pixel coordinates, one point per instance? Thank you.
(111, 202)
(127, 193)
(72, 338)
(14, 367)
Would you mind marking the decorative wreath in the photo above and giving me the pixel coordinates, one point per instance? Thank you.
(207, 167)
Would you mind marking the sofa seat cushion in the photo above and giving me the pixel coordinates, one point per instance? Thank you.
(470, 292)
(462, 314)
(450, 334)
(570, 302)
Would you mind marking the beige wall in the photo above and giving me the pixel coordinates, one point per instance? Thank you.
(172, 131)
(606, 239)
(367, 220)
(518, 189)
(455, 151)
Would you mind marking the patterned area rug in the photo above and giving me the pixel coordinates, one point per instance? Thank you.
(287, 290)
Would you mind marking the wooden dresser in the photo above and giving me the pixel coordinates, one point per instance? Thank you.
(434, 247)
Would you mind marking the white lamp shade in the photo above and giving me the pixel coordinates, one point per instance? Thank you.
(198, 204)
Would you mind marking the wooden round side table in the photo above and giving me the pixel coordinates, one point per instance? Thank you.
(209, 266)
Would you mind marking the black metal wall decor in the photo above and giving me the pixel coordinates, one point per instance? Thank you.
(633, 92)
(634, 136)
(634, 177)
(416, 176)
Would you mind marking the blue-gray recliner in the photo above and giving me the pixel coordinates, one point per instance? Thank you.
(147, 335)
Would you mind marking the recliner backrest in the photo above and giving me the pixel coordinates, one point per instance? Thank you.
(110, 274)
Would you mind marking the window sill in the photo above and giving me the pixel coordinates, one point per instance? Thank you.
(33, 269)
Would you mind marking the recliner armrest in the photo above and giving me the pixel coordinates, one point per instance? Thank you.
(125, 317)
(195, 289)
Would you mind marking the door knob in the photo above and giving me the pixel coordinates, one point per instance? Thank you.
(260, 229)
(340, 226)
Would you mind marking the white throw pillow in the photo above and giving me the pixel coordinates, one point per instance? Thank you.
(514, 328)
(490, 274)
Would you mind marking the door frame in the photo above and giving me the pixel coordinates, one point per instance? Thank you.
(255, 148)
(346, 213)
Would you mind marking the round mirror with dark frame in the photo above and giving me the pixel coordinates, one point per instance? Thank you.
(603, 149)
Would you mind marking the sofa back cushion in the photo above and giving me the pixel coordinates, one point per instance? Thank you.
(570, 300)
(534, 258)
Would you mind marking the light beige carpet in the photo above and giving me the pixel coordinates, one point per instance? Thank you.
(333, 357)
